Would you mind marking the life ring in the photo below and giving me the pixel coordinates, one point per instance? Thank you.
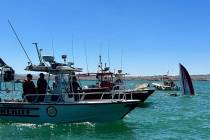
(51, 111)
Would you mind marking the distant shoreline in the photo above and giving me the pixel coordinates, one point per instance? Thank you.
(205, 77)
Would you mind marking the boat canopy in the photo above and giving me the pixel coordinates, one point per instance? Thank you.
(49, 65)
(53, 70)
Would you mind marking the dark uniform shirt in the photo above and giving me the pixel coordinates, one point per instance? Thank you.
(42, 86)
(75, 86)
(28, 88)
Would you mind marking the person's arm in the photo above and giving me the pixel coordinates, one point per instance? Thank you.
(24, 88)
(34, 87)
(38, 82)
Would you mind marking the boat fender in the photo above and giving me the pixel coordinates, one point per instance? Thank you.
(51, 111)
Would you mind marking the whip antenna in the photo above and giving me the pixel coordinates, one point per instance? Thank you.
(86, 58)
(109, 58)
(72, 47)
(39, 53)
(19, 41)
(53, 51)
(121, 59)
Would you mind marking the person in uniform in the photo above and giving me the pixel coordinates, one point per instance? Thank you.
(41, 84)
(41, 87)
(28, 88)
(74, 86)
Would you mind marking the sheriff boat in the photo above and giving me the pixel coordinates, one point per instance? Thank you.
(59, 105)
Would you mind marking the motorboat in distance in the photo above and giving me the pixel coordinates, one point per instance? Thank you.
(166, 84)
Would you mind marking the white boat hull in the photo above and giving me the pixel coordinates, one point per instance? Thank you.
(160, 86)
(65, 113)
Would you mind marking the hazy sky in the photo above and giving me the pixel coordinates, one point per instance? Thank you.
(153, 35)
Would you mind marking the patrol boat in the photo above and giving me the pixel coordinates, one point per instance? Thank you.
(110, 83)
(60, 104)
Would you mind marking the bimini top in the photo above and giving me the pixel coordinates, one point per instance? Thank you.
(53, 69)
(49, 65)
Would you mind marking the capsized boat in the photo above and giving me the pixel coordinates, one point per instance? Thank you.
(186, 82)
(59, 105)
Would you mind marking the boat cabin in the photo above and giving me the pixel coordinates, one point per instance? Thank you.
(63, 75)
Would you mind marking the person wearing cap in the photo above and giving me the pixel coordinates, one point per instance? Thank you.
(41, 84)
(28, 87)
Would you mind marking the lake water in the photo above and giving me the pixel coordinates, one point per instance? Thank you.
(160, 117)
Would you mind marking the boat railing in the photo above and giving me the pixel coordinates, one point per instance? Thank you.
(102, 95)
(17, 92)
(119, 87)
(113, 95)
(43, 98)
(49, 97)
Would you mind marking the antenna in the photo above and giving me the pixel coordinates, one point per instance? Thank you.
(100, 63)
(168, 73)
(38, 52)
(53, 48)
(72, 47)
(19, 41)
(64, 57)
(100, 58)
(100, 49)
(109, 58)
(86, 59)
(121, 59)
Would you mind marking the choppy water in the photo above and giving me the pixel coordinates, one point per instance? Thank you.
(161, 117)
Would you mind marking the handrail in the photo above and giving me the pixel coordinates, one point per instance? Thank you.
(122, 94)
(113, 94)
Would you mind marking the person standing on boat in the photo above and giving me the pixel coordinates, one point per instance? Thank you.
(74, 86)
(28, 88)
(41, 84)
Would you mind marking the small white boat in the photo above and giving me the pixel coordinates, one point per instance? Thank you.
(161, 86)
(166, 84)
